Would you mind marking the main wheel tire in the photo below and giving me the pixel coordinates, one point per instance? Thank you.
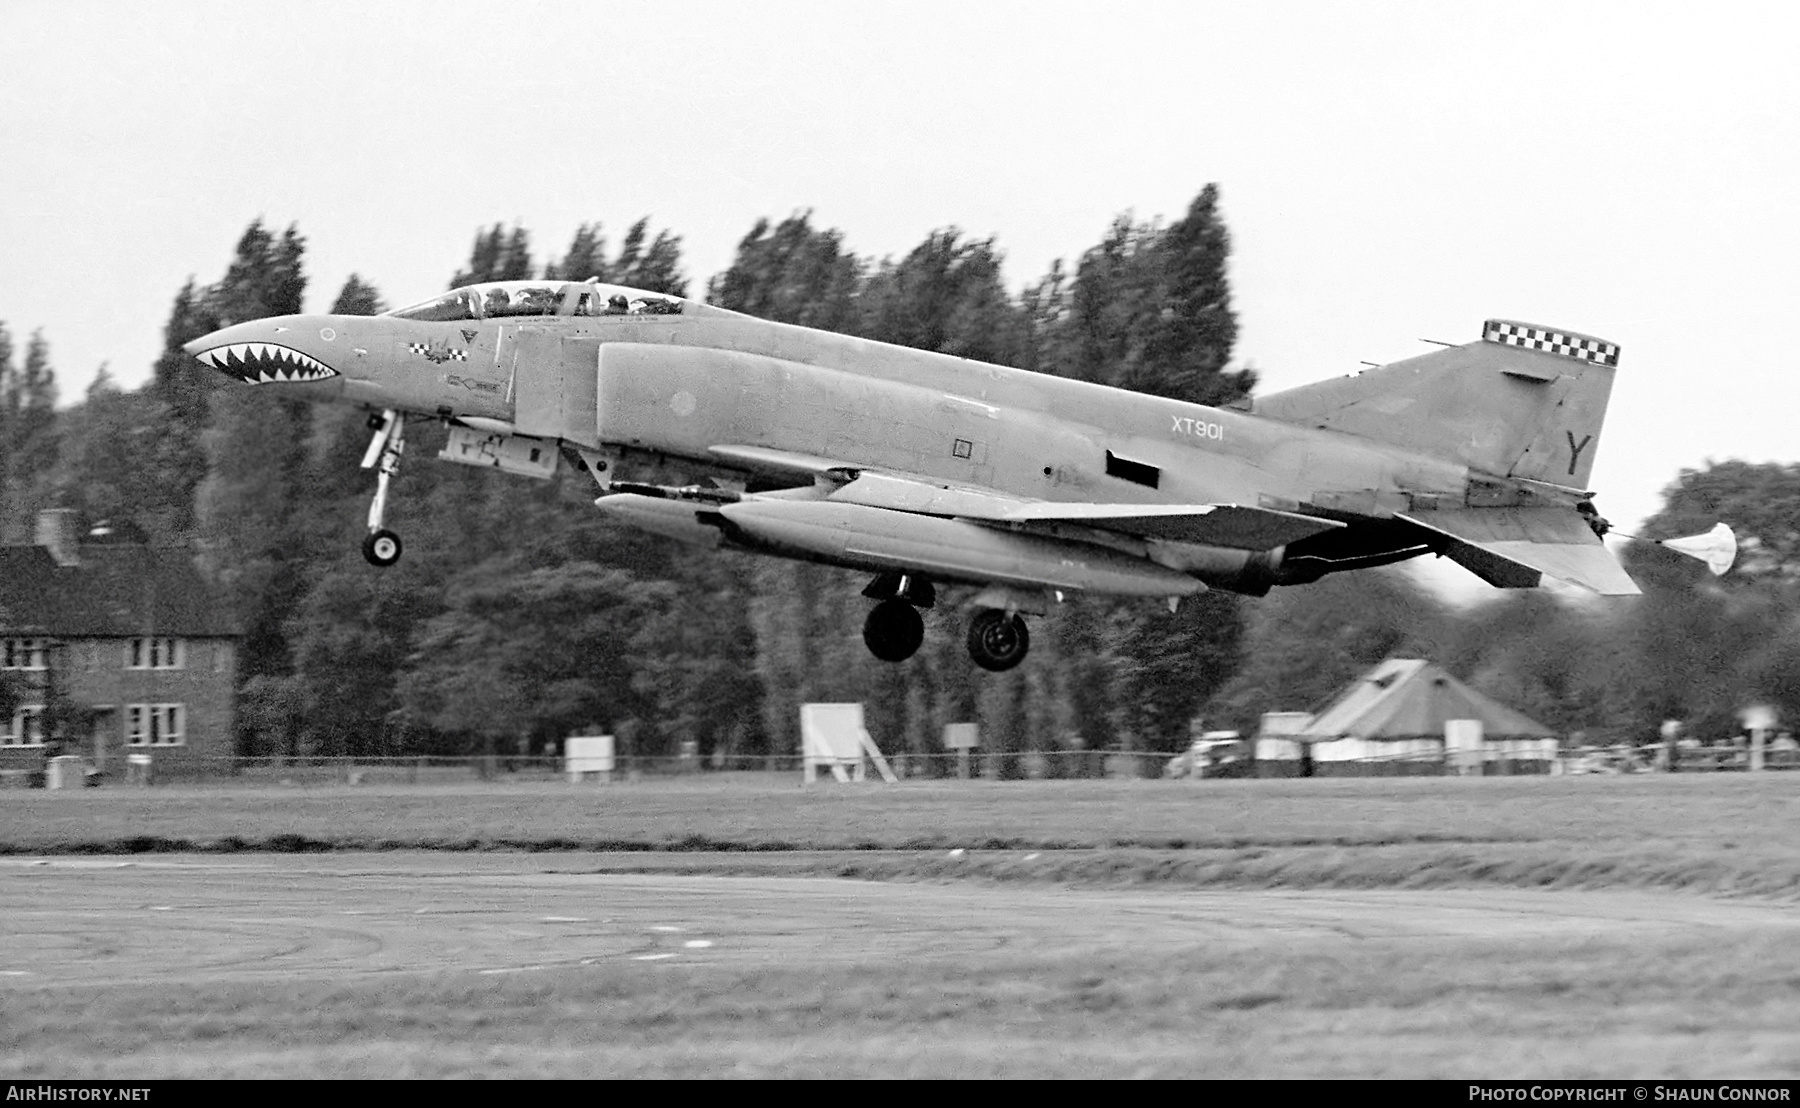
(893, 631)
(381, 548)
(998, 641)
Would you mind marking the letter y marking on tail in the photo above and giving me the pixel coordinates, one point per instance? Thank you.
(1575, 449)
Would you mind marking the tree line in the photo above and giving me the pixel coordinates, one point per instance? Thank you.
(520, 616)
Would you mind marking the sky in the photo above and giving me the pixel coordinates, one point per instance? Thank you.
(1390, 172)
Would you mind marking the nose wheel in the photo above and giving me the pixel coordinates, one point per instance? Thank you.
(998, 640)
(382, 547)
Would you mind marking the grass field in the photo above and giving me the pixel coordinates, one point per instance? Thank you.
(1712, 833)
(1593, 1007)
(1686, 1005)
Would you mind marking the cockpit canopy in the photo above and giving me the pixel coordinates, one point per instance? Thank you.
(503, 299)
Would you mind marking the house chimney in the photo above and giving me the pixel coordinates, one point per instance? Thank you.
(57, 533)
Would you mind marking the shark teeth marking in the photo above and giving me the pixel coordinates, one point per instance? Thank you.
(265, 363)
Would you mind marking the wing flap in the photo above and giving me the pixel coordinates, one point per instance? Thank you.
(1231, 525)
(1511, 547)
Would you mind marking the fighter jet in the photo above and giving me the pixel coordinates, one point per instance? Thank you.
(924, 469)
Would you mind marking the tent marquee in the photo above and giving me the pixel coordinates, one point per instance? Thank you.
(1411, 699)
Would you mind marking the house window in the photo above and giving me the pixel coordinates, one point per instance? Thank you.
(155, 724)
(21, 653)
(26, 728)
(156, 654)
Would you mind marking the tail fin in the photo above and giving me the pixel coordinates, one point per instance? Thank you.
(1525, 401)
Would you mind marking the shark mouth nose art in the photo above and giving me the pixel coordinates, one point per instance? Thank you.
(263, 363)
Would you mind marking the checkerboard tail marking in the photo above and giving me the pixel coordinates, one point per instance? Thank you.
(1568, 344)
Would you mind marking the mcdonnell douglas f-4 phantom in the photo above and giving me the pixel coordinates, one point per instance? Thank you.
(925, 469)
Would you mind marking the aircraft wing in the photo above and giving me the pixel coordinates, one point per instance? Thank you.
(1512, 547)
(1229, 525)
(1237, 526)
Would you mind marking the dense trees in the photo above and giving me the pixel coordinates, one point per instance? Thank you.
(1150, 309)
(28, 433)
(519, 616)
(792, 274)
(497, 256)
(652, 264)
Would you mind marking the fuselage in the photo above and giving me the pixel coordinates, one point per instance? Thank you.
(925, 468)
(734, 379)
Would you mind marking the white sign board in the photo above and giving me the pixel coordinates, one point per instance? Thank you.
(961, 736)
(1463, 744)
(588, 754)
(832, 731)
(832, 736)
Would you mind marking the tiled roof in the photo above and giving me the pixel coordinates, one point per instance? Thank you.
(119, 590)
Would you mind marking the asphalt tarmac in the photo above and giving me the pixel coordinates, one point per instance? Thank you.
(101, 921)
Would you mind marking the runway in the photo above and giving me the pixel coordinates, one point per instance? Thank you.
(109, 921)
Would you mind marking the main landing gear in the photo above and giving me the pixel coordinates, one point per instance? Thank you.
(382, 547)
(894, 630)
(998, 640)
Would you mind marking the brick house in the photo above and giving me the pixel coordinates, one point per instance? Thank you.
(128, 632)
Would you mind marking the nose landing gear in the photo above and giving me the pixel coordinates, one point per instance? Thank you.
(382, 547)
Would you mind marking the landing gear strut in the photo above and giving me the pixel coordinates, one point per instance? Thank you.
(382, 547)
(998, 640)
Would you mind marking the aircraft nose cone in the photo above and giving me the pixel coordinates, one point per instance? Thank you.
(261, 352)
